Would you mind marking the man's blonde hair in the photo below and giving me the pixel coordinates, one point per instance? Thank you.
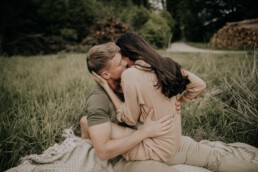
(99, 56)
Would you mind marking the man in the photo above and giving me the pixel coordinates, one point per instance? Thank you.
(108, 63)
(100, 125)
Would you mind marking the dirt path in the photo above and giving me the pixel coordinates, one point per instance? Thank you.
(183, 47)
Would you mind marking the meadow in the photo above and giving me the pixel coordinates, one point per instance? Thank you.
(45, 94)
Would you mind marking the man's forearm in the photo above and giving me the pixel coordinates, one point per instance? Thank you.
(111, 140)
(115, 147)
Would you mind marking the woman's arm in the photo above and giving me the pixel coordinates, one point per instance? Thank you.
(128, 111)
(194, 89)
(104, 84)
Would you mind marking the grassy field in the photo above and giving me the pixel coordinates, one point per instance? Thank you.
(42, 95)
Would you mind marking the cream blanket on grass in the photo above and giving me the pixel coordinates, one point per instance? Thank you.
(77, 155)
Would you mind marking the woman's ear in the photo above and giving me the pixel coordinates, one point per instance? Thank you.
(105, 75)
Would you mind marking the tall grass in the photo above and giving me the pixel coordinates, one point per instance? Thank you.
(42, 95)
(228, 111)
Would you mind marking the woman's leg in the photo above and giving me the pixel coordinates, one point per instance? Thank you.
(195, 153)
(141, 166)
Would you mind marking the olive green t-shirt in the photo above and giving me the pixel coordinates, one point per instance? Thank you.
(99, 108)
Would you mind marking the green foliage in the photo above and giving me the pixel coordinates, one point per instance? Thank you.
(29, 27)
(198, 20)
(170, 21)
(77, 15)
(154, 25)
(156, 30)
(46, 26)
(190, 26)
(32, 27)
(68, 34)
(140, 16)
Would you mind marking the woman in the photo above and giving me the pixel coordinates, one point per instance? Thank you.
(152, 82)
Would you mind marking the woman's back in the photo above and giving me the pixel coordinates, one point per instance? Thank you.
(141, 96)
(148, 96)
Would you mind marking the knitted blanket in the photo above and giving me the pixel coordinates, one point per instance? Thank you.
(77, 155)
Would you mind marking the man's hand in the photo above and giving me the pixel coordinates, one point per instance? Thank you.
(157, 128)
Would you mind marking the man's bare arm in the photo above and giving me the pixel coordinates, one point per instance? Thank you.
(107, 147)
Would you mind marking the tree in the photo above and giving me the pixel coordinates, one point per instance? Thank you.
(35, 26)
(144, 3)
(197, 20)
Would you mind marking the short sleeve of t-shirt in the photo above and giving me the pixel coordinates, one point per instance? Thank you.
(97, 109)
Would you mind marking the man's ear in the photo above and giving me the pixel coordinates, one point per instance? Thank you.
(105, 75)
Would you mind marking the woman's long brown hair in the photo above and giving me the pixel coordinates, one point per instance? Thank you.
(168, 72)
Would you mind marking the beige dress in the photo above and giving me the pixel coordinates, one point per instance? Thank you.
(141, 96)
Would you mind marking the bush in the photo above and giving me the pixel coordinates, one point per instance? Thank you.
(156, 30)
(30, 26)
(107, 30)
(170, 21)
(154, 26)
(69, 34)
(140, 17)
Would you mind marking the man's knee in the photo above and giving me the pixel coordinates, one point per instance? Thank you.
(84, 122)
(84, 128)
